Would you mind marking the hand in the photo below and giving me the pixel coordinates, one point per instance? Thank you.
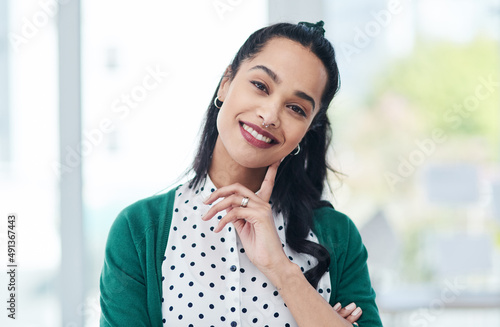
(349, 313)
(253, 223)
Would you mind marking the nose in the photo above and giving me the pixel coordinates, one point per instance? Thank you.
(270, 115)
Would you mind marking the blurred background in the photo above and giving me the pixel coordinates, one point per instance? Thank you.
(101, 104)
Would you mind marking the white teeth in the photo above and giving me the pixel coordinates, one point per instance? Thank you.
(254, 133)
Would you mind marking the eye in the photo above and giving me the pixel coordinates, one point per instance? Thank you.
(298, 110)
(260, 86)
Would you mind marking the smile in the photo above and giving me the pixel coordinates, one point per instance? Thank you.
(255, 134)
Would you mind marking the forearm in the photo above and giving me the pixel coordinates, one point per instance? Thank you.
(307, 306)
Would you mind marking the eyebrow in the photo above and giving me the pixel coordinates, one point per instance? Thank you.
(277, 80)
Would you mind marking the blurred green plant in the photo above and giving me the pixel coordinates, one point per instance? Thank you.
(454, 87)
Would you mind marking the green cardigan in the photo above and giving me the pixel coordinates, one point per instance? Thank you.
(131, 287)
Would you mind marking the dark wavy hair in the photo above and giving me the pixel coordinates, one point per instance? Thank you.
(301, 178)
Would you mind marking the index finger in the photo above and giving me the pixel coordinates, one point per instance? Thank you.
(268, 183)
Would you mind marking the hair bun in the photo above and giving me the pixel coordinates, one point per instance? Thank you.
(318, 27)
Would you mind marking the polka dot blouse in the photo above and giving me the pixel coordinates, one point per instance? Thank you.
(208, 279)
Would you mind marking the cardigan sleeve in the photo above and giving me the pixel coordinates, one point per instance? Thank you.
(348, 269)
(122, 285)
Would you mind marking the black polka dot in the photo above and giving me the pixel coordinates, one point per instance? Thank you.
(222, 239)
(164, 321)
(254, 299)
(265, 306)
(276, 315)
(180, 317)
(180, 295)
(191, 283)
(211, 306)
(171, 287)
(244, 310)
(201, 316)
(254, 279)
(203, 254)
(184, 237)
(264, 285)
(212, 247)
(190, 304)
(243, 289)
(195, 208)
(193, 245)
(172, 267)
(242, 250)
(200, 294)
(202, 273)
(222, 297)
(233, 309)
(202, 234)
(212, 285)
(192, 263)
(176, 210)
(223, 318)
(186, 201)
(233, 288)
(242, 270)
(254, 320)
(194, 226)
(183, 255)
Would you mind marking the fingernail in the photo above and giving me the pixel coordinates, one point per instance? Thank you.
(356, 312)
(337, 306)
(350, 306)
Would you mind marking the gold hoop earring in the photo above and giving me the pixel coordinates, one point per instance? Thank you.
(215, 102)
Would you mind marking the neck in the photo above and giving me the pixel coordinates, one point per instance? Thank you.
(225, 171)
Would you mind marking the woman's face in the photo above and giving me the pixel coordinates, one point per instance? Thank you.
(281, 86)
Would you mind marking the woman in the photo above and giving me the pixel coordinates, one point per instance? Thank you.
(248, 242)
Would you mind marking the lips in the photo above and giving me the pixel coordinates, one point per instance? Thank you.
(257, 136)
